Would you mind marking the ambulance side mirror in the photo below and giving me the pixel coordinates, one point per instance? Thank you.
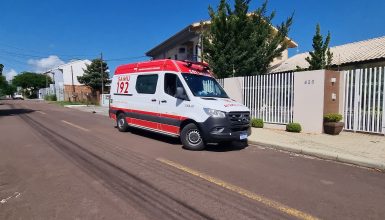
(180, 93)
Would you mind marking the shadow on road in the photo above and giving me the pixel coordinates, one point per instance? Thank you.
(222, 147)
(226, 147)
(155, 136)
(11, 112)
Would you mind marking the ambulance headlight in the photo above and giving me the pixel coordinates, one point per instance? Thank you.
(214, 113)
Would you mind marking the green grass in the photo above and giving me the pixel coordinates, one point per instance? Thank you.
(63, 103)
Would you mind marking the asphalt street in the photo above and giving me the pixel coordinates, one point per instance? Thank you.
(60, 163)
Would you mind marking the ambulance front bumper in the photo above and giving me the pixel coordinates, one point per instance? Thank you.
(216, 130)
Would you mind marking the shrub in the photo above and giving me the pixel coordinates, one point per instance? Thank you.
(257, 123)
(50, 97)
(333, 117)
(293, 127)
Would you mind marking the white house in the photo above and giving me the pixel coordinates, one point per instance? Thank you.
(66, 85)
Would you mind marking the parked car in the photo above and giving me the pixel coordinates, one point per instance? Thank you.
(177, 98)
(18, 96)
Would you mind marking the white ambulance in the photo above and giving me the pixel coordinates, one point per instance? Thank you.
(177, 98)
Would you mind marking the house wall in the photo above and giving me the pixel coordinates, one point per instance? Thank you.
(332, 95)
(234, 88)
(76, 92)
(281, 59)
(309, 100)
(170, 53)
(78, 70)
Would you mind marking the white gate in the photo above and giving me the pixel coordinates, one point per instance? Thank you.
(270, 97)
(364, 100)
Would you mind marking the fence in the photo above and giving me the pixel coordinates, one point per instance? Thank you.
(53, 89)
(270, 97)
(364, 100)
(221, 82)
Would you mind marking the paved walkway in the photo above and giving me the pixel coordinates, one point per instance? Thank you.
(354, 148)
(90, 108)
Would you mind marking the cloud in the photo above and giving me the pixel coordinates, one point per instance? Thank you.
(44, 64)
(10, 74)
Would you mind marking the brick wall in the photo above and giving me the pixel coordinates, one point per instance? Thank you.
(77, 93)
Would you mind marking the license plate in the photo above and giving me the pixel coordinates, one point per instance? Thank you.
(243, 136)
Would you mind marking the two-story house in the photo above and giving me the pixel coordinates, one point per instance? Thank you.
(186, 45)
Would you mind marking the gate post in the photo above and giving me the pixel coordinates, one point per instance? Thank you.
(383, 99)
(356, 99)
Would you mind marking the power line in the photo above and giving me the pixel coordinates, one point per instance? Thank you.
(24, 55)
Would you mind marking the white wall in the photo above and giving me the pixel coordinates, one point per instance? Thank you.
(78, 70)
(309, 100)
(233, 88)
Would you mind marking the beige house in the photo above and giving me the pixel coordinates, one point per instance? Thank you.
(186, 45)
(361, 54)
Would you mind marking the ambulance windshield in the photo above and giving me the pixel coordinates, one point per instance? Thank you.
(204, 86)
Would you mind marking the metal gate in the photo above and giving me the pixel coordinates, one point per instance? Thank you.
(364, 100)
(270, 97)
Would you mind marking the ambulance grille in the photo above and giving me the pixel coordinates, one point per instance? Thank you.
(239, 118)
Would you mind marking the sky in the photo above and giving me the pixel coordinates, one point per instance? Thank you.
(40, 34)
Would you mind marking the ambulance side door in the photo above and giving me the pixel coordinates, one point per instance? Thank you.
(171, 109)
(144, 106)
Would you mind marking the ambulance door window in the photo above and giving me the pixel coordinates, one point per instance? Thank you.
(171, 82)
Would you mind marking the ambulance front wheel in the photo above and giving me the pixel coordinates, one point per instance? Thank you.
(121, 123)
(191, 137)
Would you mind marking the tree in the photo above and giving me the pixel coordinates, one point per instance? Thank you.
(3, 81)
(5, 87)
(1, 69)
(240, 43)
(3, 84)
(321, 57)
(92, 75)
(31, 82)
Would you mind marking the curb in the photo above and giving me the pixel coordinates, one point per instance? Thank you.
(326, 155)
(74, 106)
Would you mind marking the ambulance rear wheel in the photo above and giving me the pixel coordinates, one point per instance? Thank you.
(121, 123)
(191, 138)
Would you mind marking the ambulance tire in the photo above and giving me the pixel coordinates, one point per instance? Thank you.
(121, 123)
(191, 138)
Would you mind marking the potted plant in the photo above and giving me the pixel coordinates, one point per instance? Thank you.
(333, 124)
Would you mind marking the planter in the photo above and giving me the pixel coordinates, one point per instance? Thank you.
(333, 128)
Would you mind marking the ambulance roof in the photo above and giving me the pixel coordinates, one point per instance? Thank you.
(164, 65)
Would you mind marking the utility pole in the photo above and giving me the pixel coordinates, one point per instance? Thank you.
(73, 85)
(101, 72)
(46, 83)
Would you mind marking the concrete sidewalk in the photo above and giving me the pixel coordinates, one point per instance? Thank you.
(353, 148)
(348, 147)
(90, 108)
